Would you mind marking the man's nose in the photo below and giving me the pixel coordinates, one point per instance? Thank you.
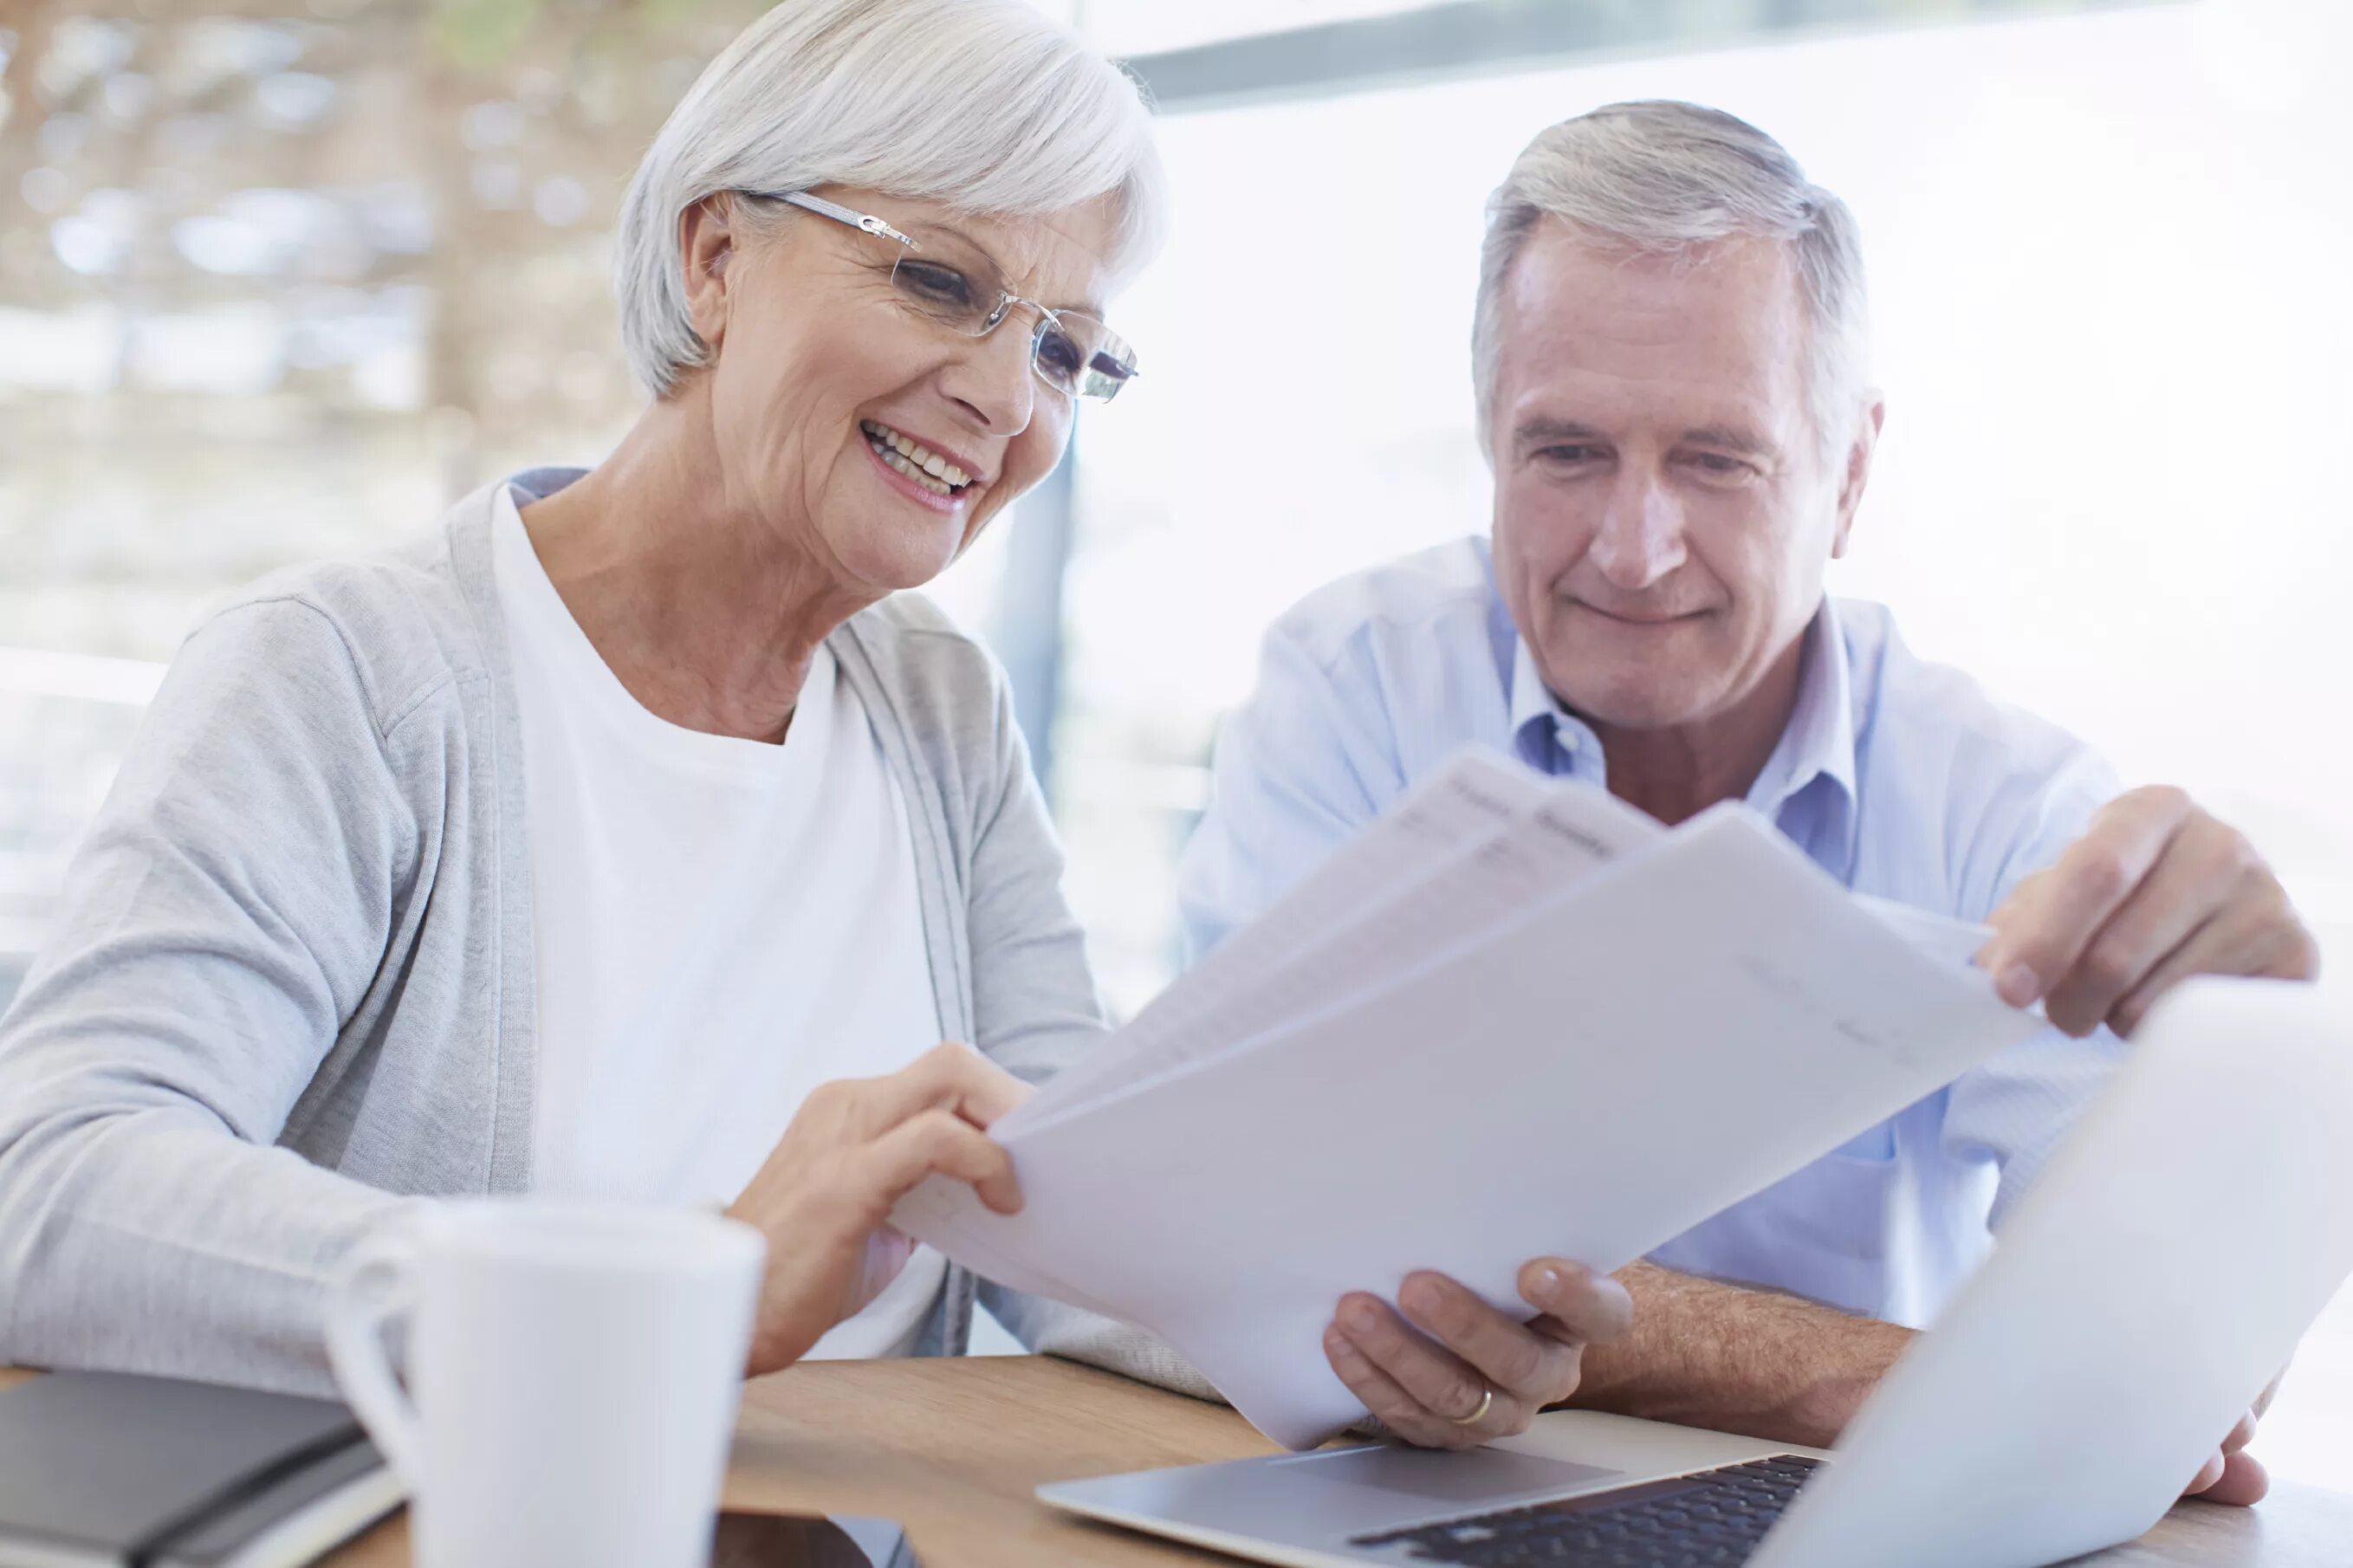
(1642, 537)
(993, 382)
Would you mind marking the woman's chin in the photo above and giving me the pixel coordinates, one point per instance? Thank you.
(896, 555)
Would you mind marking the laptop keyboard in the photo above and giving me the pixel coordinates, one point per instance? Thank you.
(1714, 1518)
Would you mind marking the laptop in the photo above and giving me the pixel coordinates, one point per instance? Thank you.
(2153, 1280)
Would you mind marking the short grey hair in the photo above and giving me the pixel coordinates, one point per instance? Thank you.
(985, 105)
(1668, 178)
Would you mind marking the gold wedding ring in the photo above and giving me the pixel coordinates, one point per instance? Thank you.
(1487, 1403)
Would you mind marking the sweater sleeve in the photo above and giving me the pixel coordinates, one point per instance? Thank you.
(224, 916)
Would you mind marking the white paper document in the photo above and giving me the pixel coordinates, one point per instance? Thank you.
(1516, 1018)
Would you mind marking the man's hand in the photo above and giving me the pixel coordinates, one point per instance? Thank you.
(2233, 1475)
(855, 1149)
(1425, 1372)
(2155, 891)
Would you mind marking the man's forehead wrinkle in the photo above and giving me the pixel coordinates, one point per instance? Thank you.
(1657, 347)
(1739, 389)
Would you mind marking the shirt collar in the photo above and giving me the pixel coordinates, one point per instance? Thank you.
(1545, 734)
(1532, 700)
(1818, 742)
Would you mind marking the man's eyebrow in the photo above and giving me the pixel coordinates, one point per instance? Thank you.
(1541, 432)
(1732, 438)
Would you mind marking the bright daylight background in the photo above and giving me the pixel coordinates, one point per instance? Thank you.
(280, 276)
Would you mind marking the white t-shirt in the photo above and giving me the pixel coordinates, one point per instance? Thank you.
(721, 925)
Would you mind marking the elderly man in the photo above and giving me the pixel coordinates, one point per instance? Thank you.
(1670, 362)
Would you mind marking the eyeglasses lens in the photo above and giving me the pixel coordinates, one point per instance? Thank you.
(1074, 353)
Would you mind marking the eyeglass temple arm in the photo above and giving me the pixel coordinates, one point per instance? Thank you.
(840, 214)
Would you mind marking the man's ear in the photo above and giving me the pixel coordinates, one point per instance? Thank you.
(1858, 471)
(706, 245)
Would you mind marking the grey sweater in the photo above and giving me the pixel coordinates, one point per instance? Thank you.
(289, 988)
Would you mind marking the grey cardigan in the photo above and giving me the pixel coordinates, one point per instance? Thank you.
(289, 988)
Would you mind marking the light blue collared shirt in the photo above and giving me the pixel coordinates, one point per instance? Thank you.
(1899, 777)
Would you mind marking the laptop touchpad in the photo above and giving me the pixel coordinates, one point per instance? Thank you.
(1491, 1476)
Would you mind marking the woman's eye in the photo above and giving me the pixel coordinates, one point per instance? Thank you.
(1060, 355)
(934, 284)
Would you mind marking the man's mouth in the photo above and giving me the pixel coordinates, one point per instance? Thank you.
(1645, 618)
(915, 461)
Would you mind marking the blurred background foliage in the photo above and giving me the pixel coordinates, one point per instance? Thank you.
(278, 278)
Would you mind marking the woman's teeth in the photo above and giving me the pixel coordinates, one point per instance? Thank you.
(914, 459)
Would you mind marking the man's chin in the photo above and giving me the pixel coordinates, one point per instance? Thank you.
(1623, 693)
(1632, 705)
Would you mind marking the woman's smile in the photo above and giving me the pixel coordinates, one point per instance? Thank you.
(916, 472)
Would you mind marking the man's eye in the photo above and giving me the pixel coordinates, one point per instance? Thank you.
(1715, 465)
(934, 284)
(1572, 454)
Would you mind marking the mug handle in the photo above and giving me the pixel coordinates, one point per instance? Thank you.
(376, 1284)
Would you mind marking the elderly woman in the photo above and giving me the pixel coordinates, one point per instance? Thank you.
(629, 820)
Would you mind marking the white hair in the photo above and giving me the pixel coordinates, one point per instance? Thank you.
(984, 105)
(1666, 178)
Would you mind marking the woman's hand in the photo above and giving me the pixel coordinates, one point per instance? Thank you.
(856, 1147)
(1453, 1372)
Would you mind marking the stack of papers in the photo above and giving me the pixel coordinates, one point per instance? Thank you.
(1513, 1018)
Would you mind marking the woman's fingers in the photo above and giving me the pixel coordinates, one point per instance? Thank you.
(949, 1076)
(854, 1149)
(939, 1142)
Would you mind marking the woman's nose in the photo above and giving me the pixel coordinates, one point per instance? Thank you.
(992, 380)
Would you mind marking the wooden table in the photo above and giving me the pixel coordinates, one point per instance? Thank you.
(954, 1447)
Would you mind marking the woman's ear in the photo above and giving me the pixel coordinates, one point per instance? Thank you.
(706, 243)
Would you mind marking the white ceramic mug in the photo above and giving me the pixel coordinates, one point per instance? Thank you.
(575, 1370)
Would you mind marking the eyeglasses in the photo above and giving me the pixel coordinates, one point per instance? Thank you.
(948, 280)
